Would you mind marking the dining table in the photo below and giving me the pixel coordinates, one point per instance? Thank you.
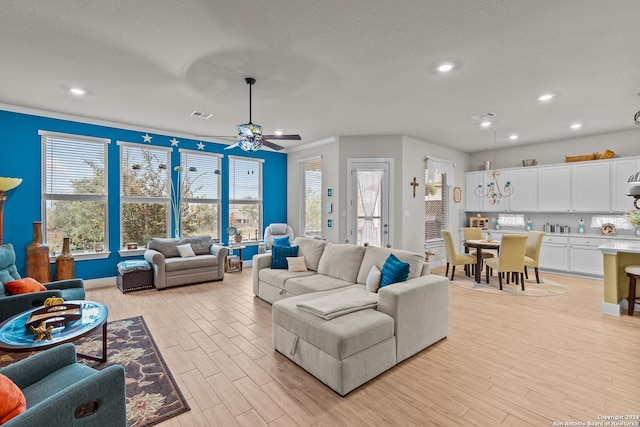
(479, 245)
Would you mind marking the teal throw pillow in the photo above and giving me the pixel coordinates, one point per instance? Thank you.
(281, 241)
(393, 271)
(279, 256)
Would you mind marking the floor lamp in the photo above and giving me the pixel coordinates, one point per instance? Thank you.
(6, 184)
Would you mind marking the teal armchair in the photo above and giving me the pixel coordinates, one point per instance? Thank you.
(11, 305)
(61, 392)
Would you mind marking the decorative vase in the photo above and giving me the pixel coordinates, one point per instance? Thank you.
(238, 238)
(38, 256)
(65, 262)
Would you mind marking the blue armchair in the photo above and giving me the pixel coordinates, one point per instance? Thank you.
(11, 305)
(61, 392)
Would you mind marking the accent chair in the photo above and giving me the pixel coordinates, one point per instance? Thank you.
(277, 231)
(454, 258)
(511, 258)
(532, 252)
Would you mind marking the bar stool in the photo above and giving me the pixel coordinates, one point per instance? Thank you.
(633, 271)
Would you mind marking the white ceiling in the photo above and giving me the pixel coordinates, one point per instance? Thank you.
(332, 67)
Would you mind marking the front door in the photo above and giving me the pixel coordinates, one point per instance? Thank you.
(369, 203)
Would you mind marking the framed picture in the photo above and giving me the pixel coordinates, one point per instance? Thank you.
(457, 194)
(329, 192)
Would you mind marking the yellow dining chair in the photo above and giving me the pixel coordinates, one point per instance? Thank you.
(511, 258)
(454, 258)
(532, 252)
(474, 233)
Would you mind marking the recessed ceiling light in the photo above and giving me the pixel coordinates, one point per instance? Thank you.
(546, 97)
(513, 137)
(576, 126)
(77, 91)
(445, 68)
(485, 124)
(201, 114)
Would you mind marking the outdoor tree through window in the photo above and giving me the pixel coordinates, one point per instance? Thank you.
(200, 193)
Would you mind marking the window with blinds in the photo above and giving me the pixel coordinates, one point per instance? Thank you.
(200, 193)
(311, 197)
(436, 194)
(74, 172)
(245, 197)
(144, 193)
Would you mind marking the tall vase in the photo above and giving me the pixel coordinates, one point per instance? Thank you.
(38, 256)
(65, 263)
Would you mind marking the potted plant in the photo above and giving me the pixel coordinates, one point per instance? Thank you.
(238, 236)
(634, 218)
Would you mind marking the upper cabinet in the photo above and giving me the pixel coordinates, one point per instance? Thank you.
(525, 193)
(590, 187)
(594, 186)
(554, 188)
(621, 170)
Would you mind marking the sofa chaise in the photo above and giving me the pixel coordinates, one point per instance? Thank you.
(348, 350)
(170, 268)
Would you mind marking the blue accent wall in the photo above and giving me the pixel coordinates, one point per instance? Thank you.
(20, 154)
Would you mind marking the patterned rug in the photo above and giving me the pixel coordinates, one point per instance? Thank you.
(545, 288)
(152, 394)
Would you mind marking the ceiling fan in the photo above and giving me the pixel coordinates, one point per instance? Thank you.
(250, 137)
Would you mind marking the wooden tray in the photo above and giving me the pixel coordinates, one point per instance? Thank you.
(56, 315)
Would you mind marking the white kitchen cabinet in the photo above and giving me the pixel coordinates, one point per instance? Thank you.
(554, 188)
(554, 253)
(584, 255)
(621, 170)
(472, 202)
(525, 194)
(590, 187)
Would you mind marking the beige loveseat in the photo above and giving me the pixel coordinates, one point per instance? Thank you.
(171, 269)
(350, 349)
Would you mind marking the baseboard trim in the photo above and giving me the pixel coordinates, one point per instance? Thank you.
(100, 283)
(611, 309)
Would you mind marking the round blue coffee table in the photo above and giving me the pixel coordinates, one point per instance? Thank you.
(14, 336)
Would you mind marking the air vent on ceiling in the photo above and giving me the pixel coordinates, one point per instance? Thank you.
(483, 116)
(201, 114)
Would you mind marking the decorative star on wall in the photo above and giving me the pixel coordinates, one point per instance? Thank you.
(200, 146)
(174, 142)
(146, 138)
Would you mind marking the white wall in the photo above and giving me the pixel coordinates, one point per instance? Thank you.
(624, 144)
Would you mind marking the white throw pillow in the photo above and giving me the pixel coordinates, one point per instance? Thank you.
(296, 263)
(373, 279)
(185, 250)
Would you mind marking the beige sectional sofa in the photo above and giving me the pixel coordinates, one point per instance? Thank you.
(350, 349)
(171, 269)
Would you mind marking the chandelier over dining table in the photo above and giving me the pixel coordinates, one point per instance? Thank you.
(493, 191)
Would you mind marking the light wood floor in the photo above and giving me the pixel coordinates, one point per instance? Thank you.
(510, 361)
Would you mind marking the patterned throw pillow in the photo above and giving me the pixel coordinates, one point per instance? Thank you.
(281, 241)
(394, 271)
(279, 256)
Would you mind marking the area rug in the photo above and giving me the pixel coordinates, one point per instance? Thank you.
(152, 394)
(545, 288)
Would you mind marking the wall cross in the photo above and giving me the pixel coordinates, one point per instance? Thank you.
(414, 184)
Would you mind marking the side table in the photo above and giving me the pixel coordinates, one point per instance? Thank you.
(233, 262)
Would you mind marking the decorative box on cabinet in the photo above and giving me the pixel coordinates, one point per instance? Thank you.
(479, 222)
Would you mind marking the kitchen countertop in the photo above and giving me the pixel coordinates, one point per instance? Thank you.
(613, 247)
(591, 235)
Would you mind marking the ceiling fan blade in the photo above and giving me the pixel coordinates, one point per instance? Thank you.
(271, 145)
(283, 137)
(229, 147)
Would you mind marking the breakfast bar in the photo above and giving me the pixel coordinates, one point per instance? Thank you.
(617, 255)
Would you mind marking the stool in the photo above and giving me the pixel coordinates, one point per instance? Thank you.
(633, 271)
(134, 275)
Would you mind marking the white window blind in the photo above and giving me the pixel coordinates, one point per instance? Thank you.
(200, 193)
(311, 197)
(144, 193)
(74, 183)
(436, 196)
(245, 197)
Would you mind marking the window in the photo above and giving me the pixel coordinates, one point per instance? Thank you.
(311, 197)
(200, 193)
(436, 196)
(144, 193)
(245, 197)
(74, 199)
